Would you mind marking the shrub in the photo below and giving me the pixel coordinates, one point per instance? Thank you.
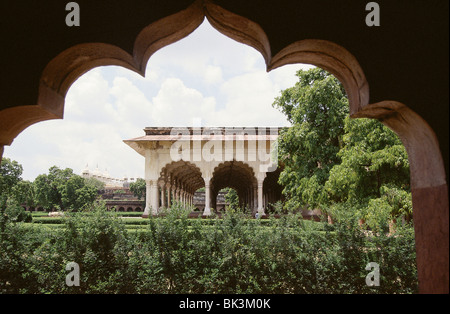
(16, 213)
(176, 254)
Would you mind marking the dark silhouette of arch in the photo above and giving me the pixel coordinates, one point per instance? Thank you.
(428, 177)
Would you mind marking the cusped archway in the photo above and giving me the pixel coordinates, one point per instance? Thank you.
(428, 178)
(237, 175)
(178, 182)
(183, 172)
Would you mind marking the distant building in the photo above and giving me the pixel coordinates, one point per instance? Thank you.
(105, 177)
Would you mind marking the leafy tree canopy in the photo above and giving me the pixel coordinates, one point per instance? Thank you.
(231, 198)
(374, 172)
(138, 188)
(62, 189)
(10, 175)
(316, 106)
(332, 159)
(14, 191)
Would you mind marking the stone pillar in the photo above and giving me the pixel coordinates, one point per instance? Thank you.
(431, 216)
(260, 198)
(255, 198)
(155, 198)
(152, 171)
(207, 211)
(148, 201)
(260, 179)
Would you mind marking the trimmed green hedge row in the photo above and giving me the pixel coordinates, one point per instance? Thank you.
(134, 220)
(175, 254)
(48, 220)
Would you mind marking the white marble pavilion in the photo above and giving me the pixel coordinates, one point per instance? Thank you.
(179, 161)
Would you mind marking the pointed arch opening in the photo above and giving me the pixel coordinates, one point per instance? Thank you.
(236, 175)
(428, 179)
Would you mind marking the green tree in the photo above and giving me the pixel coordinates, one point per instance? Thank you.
(231, 198)
(75, 194)
(62, 189)
(374, 172)
(316, 107)
(23, 193)
(138, 188)
(332, 159)
(13, 193)
(49, 187)
(44, 194)
(10, 175)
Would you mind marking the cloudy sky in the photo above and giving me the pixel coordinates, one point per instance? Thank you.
(205, 76)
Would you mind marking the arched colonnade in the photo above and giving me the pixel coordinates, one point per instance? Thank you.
(179, 161)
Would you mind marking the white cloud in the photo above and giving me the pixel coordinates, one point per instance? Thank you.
(178, 105)
(133, 110)
(248, 101)
(213, 74)
(87, 97)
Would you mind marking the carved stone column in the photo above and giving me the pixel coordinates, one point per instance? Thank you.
(255, 198)
(261, 176)
(163, 194)
(207, 210)
(148, 201)
(155, 197)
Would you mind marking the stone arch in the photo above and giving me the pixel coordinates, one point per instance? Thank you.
(185, 172)
(428, 179)
(237, 175)
(177, 182)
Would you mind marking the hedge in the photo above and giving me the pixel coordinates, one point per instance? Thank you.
(175, 254)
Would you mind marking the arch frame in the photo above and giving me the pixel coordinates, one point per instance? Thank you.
(428, 178)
